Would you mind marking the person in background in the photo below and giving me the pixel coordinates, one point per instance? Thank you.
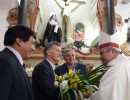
(69, 57)
(53, 31)
(115, 83)
(19, 43)
(43, 76)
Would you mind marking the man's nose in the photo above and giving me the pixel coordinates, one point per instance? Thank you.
(33, 48)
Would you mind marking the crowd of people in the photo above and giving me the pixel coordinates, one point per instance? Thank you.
(19, 44)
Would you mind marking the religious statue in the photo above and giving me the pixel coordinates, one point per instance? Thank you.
(53, 31)
(119, 22)
(67, 10)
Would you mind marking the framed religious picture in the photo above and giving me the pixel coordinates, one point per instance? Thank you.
(79, 32)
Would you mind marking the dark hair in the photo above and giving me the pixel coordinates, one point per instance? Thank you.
(49, 46)
(19, 31)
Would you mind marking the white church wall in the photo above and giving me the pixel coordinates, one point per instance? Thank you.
(84, 13)
(77, 16)
(5, 6)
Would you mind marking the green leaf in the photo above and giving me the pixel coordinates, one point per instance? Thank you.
(65, 96)
(75, 93)
(89, 82)
(68, 95)
(90, 89)
(81, 95)
(61, 94)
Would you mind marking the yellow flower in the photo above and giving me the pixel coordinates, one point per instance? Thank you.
(73, 81)
(84, 85)
(83, 90)
(59, 78)
(71, 72)
(73, 86)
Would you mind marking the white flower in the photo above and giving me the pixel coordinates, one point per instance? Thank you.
(56, 83)
(64, 84)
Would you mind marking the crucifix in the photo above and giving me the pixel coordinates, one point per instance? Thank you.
(67, 12)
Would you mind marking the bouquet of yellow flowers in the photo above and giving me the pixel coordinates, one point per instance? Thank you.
(80, 85)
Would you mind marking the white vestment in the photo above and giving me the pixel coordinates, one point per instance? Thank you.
(115, 83)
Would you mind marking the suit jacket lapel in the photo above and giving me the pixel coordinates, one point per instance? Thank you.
(76, 67)
(51, 69)
(66, 68)
(26, 79)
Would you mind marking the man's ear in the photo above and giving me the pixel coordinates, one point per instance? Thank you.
(18, 41)
(48, 52)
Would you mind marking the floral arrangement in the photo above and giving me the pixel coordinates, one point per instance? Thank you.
(80, 85)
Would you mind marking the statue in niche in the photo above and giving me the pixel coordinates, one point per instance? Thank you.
(53, 31)
(67, 10)
(119, 22)
(79, 32)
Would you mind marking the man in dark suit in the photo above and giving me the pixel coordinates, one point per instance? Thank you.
(14, 83)
(69, 57)
(43, 76)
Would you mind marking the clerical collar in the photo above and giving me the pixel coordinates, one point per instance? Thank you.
(19, 57)
(53, 66)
